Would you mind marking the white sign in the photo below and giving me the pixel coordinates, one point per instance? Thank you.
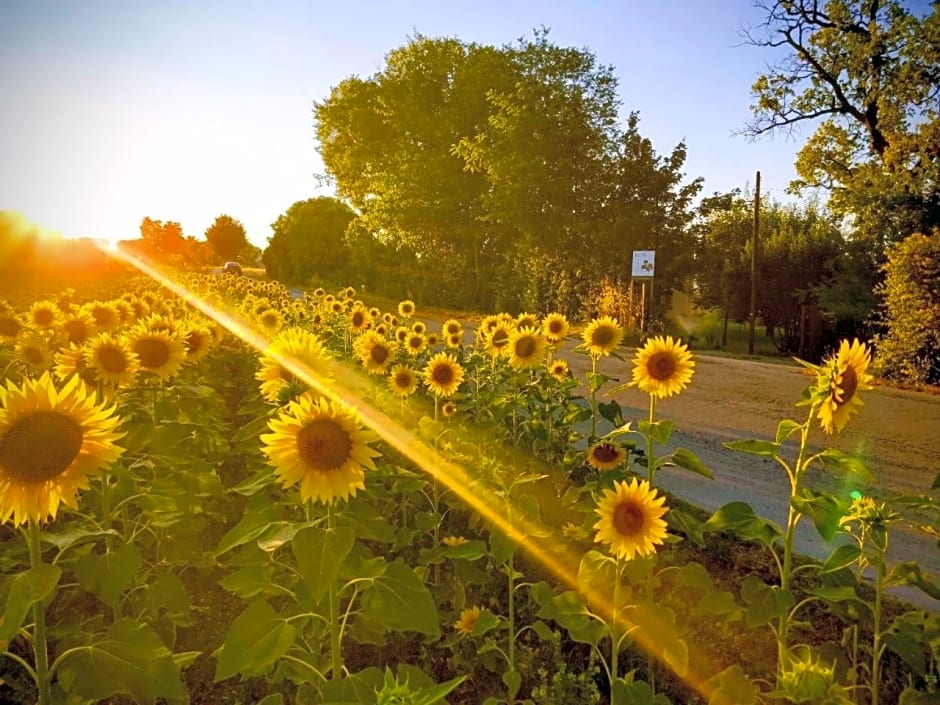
(643, 263)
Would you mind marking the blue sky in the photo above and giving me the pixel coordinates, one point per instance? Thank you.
(116, 110)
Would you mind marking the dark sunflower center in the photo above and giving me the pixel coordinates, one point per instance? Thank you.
(9, 326)
(33, 356)
(40, 446)
(605, 453)
(43, 317)
(194, 342)
(76, 330)
(358, 319)
(849, 385)
(152, 353)
(525, 347)
(112, 360)
(500, 338)
(269, 320)
(379, 354)
(415, 342)
(555, 327)
(661, 366)
(403, 380)
(627, 519)
(323, 445)
(443, 374)
(102, 316)
(602, 336)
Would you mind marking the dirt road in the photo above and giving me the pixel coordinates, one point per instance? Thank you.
(897, 433)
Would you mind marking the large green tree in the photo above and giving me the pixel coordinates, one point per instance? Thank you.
(309, 241)
(162, 239)
(227, 237)
(866, 74)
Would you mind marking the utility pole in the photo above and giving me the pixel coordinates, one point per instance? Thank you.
(750, 341)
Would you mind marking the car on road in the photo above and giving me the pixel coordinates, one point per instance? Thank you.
(232, 268)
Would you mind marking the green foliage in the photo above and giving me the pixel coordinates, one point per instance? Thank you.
(227, 237)
(909, 351)
(308, 240)
(870, 70)
(163, 239)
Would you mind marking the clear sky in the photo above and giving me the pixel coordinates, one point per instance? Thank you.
(113, 110)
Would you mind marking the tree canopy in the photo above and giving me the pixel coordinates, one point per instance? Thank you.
(867, 74)
(227, 237)
(508, 164)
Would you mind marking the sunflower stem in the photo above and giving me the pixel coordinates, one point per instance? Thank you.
(591, 387)
(511, 570)
(650, 464)
(336, 657)
(615, 632)
(40, 648)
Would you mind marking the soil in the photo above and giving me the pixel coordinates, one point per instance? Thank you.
(897, 433)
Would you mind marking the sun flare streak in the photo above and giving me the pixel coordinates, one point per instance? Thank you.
(522, 530)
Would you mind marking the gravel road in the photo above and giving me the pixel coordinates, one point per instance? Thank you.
(897, 432)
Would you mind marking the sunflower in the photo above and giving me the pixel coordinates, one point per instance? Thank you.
(631, 519)
(443, 375)
(449, 409)
(468, 620)
(50, 442)
(77, 327)
(558, 369)
(419, 327)
(159, 353)
(402, 333)
(10, 325)
(337, 307)
(270, 321)
(321, 445)
(34, 351)
(452, 327)
(403, 380)
(198, 340)
(498, 338)
(301, 347)
(662, 367)
(105, 315)
(843, 376)
(605, 456)
(359, 320)
(453, 340)
(602, 336)
(375, 313)
(375, 352)
(415, 343)
(528, 320)
(454, 541)
(555, 327)
(43, 315)
(111, 359)
(525, 348)
(71, 361)
(406, 308)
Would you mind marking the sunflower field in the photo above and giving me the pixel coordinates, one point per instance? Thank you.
(214, 492)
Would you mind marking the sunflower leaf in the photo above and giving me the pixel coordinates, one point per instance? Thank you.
(26, 589)
(687, 460)
(764, 449)
(107, 575)
(258, 637)
(659, 431)
(398, 600)
(835, 459)
(739, 518)
(785, 429)
(320, 554)
(130, 660)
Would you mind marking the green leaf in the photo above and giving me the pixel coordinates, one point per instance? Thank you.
(910, 573)
(63, 540)
(320, 554)
(26, 589)
(258, 637)
(765, 603)
(435, 694)
(107, 575)
(356, 689)
(596, 380)
(611, 411)
(912, 696)
(842, 557)
(260, 513)
(513, 681)
(249, 582)
(785, 429)
(687, 460)
(487, 621)
(835, 459)
(398, 600)
(569, 611)
(739, 518)
(470, 551)
(272, 699)
(278, 533)
(910, 648)
(824, 510)
(687, 524)
(765, 449)
(732, 687)
(659, 431)
(544, 632)
(130, 660)
(833, 594)
(596, 575)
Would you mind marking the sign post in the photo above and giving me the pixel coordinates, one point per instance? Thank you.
(644, 268)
